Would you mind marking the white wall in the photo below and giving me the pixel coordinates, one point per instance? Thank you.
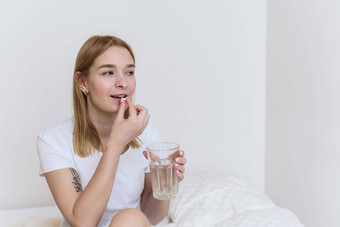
(200, 72)
(303, 109)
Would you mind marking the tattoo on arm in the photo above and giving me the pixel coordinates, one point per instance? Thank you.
(76, 180)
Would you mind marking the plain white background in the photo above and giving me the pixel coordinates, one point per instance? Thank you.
(200, 72)
(303, 109)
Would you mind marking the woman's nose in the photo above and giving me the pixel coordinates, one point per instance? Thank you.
(120, 81)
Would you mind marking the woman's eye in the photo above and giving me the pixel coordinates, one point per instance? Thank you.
(130, 73)
(108, 73)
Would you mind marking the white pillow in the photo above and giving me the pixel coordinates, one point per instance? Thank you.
(226, 200)
(205, 199)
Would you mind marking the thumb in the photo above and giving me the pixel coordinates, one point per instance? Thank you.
(145, 153)
(121, 110)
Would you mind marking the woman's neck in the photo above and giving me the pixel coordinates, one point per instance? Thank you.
(103, 124)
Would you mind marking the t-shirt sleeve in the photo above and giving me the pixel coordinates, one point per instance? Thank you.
(52, 155)
(153, 136)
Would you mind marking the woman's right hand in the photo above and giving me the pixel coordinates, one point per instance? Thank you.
(124, 130)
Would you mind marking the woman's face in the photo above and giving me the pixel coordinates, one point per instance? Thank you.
(110, 78)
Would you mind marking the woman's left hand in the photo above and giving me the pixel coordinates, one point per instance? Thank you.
(180, 161)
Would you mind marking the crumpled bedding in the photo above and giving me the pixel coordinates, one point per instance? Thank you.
(226, 200)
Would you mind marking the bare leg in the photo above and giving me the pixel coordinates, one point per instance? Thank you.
(130, 217)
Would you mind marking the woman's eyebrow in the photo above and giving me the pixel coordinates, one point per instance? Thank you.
(114, 66)
(107, 66)
(130, 66)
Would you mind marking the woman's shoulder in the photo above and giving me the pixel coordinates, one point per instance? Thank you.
(64, 128)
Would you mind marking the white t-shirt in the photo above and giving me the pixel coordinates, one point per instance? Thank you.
(55, 150)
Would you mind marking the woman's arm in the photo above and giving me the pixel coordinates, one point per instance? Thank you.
(85, 208)
(154, 209)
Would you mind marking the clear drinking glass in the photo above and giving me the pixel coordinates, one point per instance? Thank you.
(161, 158)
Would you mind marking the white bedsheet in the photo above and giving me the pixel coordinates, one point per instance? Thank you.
(12, 216)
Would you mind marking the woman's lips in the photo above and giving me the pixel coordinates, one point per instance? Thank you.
(118, 97)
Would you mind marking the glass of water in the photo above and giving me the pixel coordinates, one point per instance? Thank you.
(164, 180)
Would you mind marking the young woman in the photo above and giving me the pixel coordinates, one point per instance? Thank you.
(95, 163)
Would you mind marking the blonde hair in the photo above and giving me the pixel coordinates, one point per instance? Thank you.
(85, 136)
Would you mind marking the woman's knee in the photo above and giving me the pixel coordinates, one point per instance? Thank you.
(130, 217)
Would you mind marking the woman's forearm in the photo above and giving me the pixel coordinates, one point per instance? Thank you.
(91, 204)
(154, 209)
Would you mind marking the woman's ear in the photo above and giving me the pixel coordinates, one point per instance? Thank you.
(80, 81)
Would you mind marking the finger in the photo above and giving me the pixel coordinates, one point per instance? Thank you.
(153, 156)
(146, 121)
(132, 111)
(180, 160)
(142, 114)
(121, 110)
(140, 110)
(180, 168)
(180, 175)
(139, 107)
(181, 153)
(145, 153)
(142, 128)
(174, 155)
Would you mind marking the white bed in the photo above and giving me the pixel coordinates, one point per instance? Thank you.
(204, 200)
